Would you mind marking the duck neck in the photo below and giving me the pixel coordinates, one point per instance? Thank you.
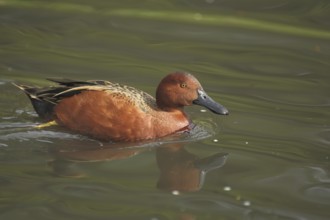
(165, 102)
(171, 121)
(173, 109)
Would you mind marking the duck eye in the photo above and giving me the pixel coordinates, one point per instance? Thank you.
(183, 85)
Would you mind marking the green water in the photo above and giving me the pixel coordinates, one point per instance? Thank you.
(266, 61)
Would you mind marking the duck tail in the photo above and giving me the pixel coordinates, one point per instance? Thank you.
(43, 107)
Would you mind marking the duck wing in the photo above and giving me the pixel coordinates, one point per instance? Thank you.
(45, 99)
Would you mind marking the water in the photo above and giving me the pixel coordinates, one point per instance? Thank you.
(266, 61)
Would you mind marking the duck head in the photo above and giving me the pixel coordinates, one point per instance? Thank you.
(181, 89)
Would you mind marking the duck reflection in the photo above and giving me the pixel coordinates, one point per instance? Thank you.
(68, 159)
(184, 171)
(179, 169)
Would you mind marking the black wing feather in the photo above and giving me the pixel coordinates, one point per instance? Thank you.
(44, 99)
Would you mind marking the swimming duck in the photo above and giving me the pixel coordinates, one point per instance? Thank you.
(113, 112)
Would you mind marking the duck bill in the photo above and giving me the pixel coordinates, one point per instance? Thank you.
(204, 100)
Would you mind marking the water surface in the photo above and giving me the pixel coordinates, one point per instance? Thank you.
(266, 61)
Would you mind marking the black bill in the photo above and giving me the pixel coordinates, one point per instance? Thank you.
(206, 101)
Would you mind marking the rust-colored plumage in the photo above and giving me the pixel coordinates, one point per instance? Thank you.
(110, 111)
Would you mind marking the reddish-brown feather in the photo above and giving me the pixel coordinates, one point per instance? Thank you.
(104, 116)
